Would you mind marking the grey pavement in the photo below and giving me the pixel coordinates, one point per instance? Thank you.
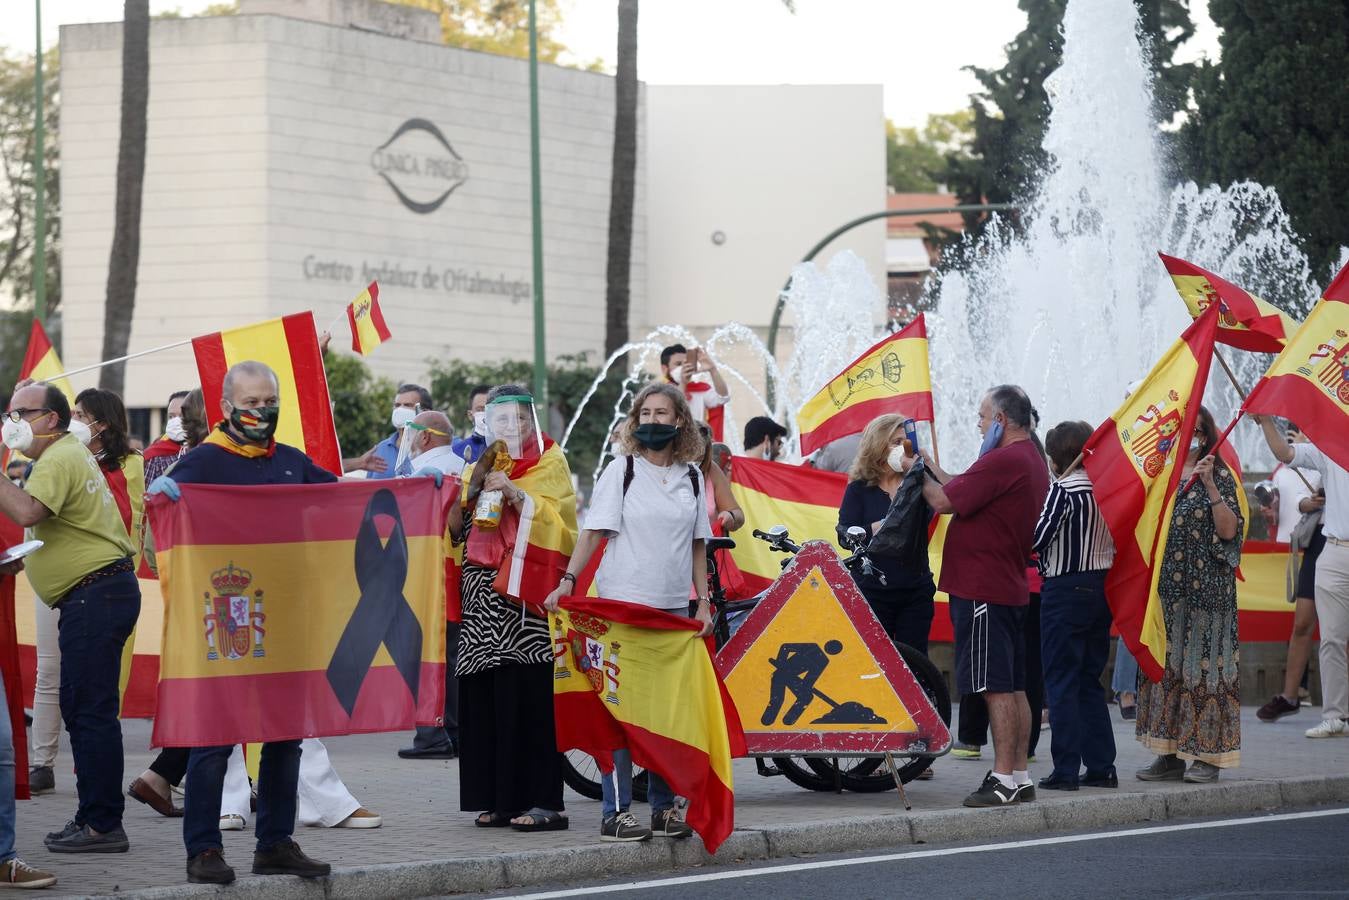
(423, 825)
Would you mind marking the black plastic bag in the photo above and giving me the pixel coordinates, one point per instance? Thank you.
(903, 533)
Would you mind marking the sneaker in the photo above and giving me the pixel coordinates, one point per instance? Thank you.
(966, 751)
(1163, 768)
(66, 831)
(623, 827)
(86, 841)
(17, 873)
(667, 823)
(232, 822)
(1201, 772)
(992, 793)
(41, 780)
(1277, 708)
(361, 818)
(1327, 728)
(286, 858)
(1025, 793)
(209, 867)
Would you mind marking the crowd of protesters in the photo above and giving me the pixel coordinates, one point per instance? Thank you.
(1027, 601)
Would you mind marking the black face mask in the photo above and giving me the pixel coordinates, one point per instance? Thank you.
(653, 436)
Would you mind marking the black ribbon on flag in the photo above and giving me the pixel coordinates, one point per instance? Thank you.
(382, 615)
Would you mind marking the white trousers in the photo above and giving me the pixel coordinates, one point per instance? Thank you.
(1332, 611)
(323, 799)
(47, 686)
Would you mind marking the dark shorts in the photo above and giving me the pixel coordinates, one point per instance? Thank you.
(1306, 573)
(990, 647)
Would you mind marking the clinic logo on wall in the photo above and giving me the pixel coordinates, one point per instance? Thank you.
(420, 166)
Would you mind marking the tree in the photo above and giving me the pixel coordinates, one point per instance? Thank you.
(497, 26)
(1272, 111)
(360, 402)
(19, 174)
(120, 305)
(622, 183)
(1006, 156)
(916, 160)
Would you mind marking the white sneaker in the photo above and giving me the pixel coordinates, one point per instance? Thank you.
(1328, 728)
(232, 822)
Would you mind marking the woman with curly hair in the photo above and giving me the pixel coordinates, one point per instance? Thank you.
(650, 504)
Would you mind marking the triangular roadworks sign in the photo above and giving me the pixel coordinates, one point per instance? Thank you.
(812, 670)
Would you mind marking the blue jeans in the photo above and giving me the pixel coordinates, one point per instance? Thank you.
(1125, 677)
(1075, 643)
(658, 793)
(278, 782)
(95, 623)
(6, 780)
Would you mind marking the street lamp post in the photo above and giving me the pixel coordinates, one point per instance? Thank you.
(540, 357)
(39, 182)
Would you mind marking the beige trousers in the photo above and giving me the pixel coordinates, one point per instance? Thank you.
(1332, 609)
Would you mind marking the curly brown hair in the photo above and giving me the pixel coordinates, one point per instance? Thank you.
(872, 462)
(688, 443)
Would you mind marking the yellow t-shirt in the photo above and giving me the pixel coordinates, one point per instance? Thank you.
(84, 532)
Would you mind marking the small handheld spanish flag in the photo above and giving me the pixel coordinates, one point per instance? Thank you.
(368, 330)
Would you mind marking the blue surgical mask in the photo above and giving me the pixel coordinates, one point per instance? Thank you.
(992, 438)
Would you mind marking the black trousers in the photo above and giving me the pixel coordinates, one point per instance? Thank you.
(171, 764)
(973, 726)
(508, 759)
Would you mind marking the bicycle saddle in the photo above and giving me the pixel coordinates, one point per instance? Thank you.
(720, 543)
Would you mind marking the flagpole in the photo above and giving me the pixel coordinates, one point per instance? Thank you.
(109, 362)
(1213, 451)
(1230, 377)
(39, 181)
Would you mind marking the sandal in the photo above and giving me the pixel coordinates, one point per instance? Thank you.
(542, 820)
(491, 820)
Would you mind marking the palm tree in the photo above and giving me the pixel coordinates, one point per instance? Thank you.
(120, 304)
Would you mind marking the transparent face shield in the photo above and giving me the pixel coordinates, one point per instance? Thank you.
(512, 421)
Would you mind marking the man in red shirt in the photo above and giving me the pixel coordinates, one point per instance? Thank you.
(988, 545)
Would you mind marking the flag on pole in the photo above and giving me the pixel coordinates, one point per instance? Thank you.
(1245, 321)
(1135, 459)
(290, 346)
(630, 677)
(296, 611)
(40, 361)
(1309, 381)
(368, 330)
(891, 377)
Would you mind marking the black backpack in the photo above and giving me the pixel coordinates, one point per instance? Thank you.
(630, 469)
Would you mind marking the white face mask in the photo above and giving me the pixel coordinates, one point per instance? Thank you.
(896, 458)
(1196, 445)
(677, 374)
(480, 424)
(615, 449)
(175, 431)
(17, 435)
(82, 432)
(401, 416)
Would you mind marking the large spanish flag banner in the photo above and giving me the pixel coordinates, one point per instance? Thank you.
(291, 347)
(295, 611)
(368, 330)
(1309, 381)
(891, 377)
(1245, 321)
(629, 677)
(1134, 459)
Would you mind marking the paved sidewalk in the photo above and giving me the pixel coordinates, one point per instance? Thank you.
(422, 821)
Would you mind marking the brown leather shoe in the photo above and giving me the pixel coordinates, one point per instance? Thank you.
(141, 791)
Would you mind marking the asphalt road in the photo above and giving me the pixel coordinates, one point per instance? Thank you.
(1300, 854)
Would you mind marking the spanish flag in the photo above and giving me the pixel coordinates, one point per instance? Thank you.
(40, 361)
(290, 346)
(891, 377)
(295, 611)
(1246, 321)
(802, 499)
(1135, 459)
(1309, 381)
(627, 676)
(368, 330)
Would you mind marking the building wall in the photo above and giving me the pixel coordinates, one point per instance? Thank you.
(265, 195)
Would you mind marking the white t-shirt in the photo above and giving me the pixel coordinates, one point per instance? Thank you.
(1292, 492)
(649, 558)
(1335, 520)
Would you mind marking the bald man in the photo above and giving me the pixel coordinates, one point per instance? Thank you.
(432, 440)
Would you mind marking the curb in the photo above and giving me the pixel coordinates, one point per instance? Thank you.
(531, 867)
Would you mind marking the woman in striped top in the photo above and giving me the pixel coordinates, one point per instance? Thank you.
(1075, 552)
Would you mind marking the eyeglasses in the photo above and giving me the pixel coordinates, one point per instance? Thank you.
(16, 415)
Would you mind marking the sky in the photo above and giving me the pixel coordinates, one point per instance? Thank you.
(914, 48)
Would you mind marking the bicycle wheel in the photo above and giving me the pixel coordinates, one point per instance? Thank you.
(870, 774)
(804, 776)
(582, 774)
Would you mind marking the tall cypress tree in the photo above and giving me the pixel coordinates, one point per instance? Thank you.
(1011, 113)
(1273, 110)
